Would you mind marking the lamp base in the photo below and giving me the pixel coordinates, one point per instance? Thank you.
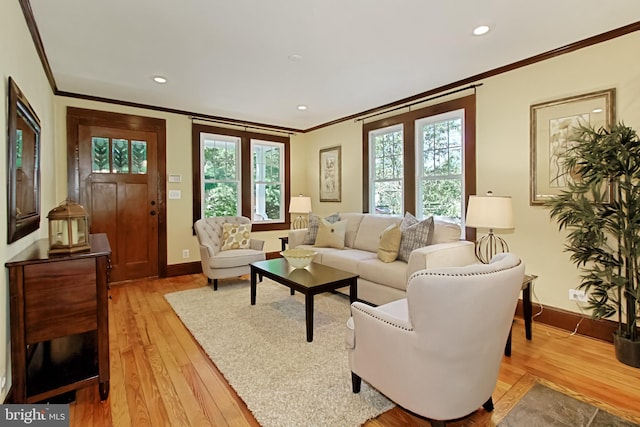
(299, 222)
(488, 246)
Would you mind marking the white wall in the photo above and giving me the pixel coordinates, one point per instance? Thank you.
(502, 125)
(19, 60)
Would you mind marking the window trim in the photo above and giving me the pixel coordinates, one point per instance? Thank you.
(261, 142)
(420, 177)
(245, 180)
(371, 177)
(468, 103)
(238, 144)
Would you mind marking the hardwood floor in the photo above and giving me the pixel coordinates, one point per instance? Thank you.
(161, 377)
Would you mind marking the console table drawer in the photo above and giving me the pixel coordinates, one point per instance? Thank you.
(60, 299)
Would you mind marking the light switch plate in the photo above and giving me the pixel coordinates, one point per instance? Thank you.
(175, 178)
(175, 194)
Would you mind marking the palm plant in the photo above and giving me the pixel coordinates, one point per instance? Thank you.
(601, 211)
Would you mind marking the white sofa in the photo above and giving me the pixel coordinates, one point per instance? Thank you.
(380, 282)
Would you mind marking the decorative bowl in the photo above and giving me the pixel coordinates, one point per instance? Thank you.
(298, 258)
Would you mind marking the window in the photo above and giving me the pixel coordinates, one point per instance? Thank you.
(387, 170)
(241, 173)
(220, 157)
(439, 167)
(115, 155)
(268, 185)
(422, 161)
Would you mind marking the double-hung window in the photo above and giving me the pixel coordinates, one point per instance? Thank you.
(268, 180)
(240, 173)
(422, 161)
(439, 155)
(386, 157)
(221, 171)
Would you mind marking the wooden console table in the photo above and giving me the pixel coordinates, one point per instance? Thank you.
(59, 320)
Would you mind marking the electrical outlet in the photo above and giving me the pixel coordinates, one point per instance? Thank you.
(577, 295)
(185, 253)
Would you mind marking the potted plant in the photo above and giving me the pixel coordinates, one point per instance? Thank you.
(601, 211)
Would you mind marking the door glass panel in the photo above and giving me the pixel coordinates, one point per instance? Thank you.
(139, 157)
(120, 156)
(99, 154)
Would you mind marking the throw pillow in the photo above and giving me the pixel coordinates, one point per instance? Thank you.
(314, 223)
(331, 235)
(389, 243)
(415, 236)
(235, 236)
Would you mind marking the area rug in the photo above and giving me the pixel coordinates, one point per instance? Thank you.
(535, 402)
(263, 353)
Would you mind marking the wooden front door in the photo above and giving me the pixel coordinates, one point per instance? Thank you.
(118, 183)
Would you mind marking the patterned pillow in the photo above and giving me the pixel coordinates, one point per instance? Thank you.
(235, 236)
(414, 235)
(314, 224)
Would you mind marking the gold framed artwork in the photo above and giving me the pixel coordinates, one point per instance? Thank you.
(331, 174)
(552, 126)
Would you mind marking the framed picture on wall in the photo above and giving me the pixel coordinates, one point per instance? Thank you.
(331, 174)
(552, 126)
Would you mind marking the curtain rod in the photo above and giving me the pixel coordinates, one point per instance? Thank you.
(246, 126)
(473, 86)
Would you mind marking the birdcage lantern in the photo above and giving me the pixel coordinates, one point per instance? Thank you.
(68, 228)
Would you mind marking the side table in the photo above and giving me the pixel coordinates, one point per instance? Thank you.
(283, 242)
(527, 310)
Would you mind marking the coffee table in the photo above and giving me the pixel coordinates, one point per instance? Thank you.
(311, 280)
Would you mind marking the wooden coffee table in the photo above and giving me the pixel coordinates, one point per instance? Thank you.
(309, 281)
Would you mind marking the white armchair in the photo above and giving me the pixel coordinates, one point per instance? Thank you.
(218, 263)
(437, 352)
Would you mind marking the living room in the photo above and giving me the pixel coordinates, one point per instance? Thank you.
(502, 149)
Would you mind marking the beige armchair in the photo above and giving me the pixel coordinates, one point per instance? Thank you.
(437, 352)
(221, 264)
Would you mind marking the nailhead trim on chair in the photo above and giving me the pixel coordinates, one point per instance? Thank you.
(479, 273)
(382, 320)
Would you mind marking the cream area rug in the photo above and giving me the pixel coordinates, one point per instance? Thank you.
(263, 353)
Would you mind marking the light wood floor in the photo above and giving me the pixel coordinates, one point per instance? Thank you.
(161, 377)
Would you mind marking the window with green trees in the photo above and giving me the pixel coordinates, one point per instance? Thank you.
(220, 156)
(422, 161)
(241, 173)
(267, 180)
(387, 170)
(439, 150)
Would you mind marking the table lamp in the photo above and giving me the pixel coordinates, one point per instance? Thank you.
(494, 213)
(300, 205)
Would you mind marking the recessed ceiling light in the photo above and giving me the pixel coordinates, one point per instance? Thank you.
(159, 79)
(295, 57)
(597, 110)
(482, 29)
(302, 107)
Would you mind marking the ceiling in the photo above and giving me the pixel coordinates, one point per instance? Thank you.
(256, 61)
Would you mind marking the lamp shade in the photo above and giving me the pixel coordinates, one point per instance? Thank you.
(494, 212)
(300, 204)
